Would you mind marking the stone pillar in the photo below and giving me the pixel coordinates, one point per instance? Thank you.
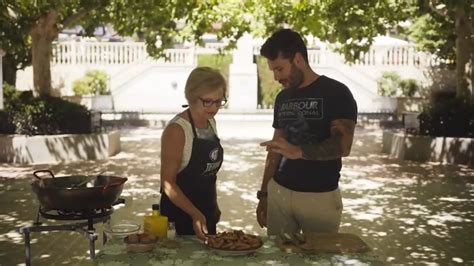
(2, 53)
(243, 77)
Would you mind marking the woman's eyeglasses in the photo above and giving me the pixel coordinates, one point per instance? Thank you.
(209, 103)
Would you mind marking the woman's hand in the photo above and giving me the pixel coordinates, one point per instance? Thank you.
(200, 226)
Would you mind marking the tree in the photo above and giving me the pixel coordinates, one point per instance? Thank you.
(353, 24)
(455, 20)
(15, 42)
(434, 36)
(161, 22)
(39, 24)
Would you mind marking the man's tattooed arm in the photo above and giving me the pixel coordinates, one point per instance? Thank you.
(336, 146)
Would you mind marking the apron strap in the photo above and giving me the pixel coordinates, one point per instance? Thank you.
(192, 123)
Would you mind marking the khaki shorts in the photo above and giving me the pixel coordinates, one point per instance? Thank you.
(291, 211)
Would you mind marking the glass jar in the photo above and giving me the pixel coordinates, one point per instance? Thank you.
(115, 232)
(171, 230)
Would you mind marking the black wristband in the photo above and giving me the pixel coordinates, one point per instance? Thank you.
(261, 194)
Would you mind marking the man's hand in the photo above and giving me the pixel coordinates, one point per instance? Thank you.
(283, 147)
(262, 212)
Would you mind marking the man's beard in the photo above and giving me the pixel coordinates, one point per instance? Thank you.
(296, 77)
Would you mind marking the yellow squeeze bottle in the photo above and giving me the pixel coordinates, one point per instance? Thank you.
(156, 224)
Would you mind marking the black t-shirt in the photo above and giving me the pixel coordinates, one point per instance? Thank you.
(305, 115)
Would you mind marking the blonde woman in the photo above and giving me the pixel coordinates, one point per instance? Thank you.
(191, 156)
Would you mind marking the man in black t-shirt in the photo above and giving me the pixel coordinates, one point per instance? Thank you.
(314, 121)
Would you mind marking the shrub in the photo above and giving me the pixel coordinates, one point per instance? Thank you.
(391, 84)
(10, 94)
(94, 82)
(27, 115)
(81, 87)
(13, 97)
(51, 115)
(388, 83)
(6, 125)
(447, 116)
(409, 87)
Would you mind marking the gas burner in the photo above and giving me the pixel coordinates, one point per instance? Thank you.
(89, 217)
(75, 215)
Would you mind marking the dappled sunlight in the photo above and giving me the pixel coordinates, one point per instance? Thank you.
(363, 184)
(444, 217)
(16, 171)
(140, 138)
(369, 216)
(450, 199)
(12, 236)
(356, 208)
(143, 192)
(235, 164)
(408, 212)
(123, 155)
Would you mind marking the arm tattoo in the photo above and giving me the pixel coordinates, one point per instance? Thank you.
(334, 147)
(326, 150)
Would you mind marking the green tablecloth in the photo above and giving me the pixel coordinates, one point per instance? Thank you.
(192, 252)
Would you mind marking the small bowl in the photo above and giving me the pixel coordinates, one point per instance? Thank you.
(116, 232)
(140, 247)
(140, 242)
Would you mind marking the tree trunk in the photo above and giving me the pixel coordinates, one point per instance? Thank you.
(471, 46)
(42, 37)
(463, 55)
(9, 70)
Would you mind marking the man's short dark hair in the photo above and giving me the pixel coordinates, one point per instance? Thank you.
(284, 42)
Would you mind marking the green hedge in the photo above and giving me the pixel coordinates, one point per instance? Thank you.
(391, 84)
(447, 116)
(94, 82)
(28, 115)
(267, 87)
(6, 125)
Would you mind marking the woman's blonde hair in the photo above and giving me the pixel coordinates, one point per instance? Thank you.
(203, 80)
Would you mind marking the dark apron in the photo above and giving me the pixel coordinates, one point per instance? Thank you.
(198, 182)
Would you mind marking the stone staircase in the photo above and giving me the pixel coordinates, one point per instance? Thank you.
(140, 83)
(363, 89)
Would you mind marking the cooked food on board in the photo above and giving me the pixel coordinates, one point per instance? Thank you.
(235, 240)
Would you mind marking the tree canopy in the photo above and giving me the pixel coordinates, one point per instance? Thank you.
(352, 24)
(159, 21)
(14, 39)
(443, 27)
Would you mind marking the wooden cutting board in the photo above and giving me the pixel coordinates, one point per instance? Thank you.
(326, 243)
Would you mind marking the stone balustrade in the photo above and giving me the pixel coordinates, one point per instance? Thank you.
(110, 53)
(134, 76)
(103, 53)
